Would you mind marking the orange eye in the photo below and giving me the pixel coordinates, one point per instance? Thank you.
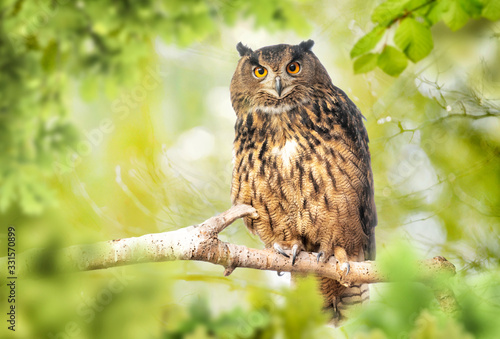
(260, 72)
(293, 68)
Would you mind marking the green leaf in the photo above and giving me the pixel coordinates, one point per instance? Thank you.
(392, 61)
(456, 16)
(414, 39)
(472, 7)
(491, 10)
(388, 11)
(365, 63)
(367, 42)
(420, 5)
(49, 56)
(436, 13)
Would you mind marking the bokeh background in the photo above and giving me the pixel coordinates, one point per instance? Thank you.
(116, 121)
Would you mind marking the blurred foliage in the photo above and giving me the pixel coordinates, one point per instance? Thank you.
(115, 121)
(409, 22)
(409, 310)
(297, 317)
(46, 45)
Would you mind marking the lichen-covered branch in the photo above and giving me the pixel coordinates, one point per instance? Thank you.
(201, 242)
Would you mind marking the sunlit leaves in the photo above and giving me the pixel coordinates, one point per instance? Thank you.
(411, 20)
(365, 63)
(388, 11)
(392, 61)
(414, 39)
(367, 42)
(455, 15)
(428, 325)
(491, 10)
(298, 317)
(90, 43)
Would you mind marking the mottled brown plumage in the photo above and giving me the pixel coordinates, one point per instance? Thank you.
(301, 159)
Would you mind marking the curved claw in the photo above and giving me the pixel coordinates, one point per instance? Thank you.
(321, 253)
(278, 249)
(295, 249)
(346, 267)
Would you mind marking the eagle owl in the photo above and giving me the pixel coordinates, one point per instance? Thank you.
(301, 159)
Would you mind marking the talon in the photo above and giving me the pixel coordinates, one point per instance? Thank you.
(295, 249)
(346, 267)
(278, 249)
(280, 273)
(319, 256)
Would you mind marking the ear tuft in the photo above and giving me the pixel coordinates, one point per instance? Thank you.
(306, 46)
(243, 50)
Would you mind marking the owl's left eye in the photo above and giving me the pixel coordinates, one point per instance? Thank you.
(260, 72)
(293, 67)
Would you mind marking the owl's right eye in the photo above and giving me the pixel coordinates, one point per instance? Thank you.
(260, 72)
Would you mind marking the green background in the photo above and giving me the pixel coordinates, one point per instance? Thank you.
(115, 121)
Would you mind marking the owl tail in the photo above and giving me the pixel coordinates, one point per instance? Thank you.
(341, 300)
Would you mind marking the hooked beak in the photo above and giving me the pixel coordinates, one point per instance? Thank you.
(278, 86)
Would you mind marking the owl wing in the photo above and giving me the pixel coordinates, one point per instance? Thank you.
(342, 111)
(368, 212)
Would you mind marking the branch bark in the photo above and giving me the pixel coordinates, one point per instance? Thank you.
(201, 243)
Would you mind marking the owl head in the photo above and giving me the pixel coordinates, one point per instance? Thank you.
(276, 79)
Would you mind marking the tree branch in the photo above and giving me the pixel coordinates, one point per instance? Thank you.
(201, 243)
